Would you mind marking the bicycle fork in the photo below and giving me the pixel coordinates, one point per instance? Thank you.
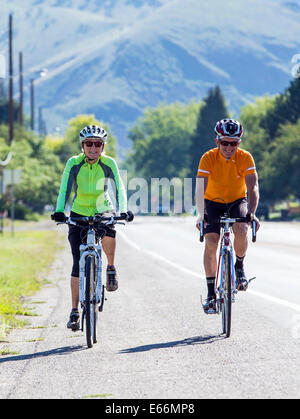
(219, 289)
(219, 283)
(82, 263)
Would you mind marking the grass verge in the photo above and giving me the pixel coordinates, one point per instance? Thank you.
(23, 260)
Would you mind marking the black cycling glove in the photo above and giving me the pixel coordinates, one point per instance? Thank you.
(59, 217)
(129, 215)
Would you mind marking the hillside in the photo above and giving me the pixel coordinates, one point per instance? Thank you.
(115, 57)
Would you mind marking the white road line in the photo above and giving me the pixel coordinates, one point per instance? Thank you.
(267, 297)
(276, 300)
(160, 257)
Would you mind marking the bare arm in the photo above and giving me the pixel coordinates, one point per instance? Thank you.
(201, 185)
(253, 192)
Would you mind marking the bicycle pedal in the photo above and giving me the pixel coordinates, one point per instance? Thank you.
(211, 311)
(75, 328)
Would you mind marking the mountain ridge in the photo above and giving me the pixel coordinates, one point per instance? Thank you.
(114, 58)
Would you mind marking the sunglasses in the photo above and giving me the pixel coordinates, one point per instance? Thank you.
(231, 143)
(97, 144)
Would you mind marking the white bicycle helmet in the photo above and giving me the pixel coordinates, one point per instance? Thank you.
(229, 128)
(93, 131)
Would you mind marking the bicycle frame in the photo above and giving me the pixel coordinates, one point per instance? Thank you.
(226, 285)
(94, 249)
(91, 262)
(225, 247)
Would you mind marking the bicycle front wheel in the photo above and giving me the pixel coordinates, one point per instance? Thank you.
(90, 301)
(227, 295)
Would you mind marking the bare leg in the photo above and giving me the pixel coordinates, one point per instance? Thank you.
(240, 239)
(109, 247)
(210, 254)
(240, 247)
(75, 291)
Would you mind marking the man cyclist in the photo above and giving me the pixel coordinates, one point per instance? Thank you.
(89, 173)
(229, 177)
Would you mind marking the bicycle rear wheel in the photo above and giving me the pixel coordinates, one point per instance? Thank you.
(90, 301)
(227, 303)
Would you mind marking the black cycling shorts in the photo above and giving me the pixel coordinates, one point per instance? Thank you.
(77, 236)
(215, 210)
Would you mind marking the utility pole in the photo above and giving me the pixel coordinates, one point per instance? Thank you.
(2, 165)
(11, 116)
(21, 89)
(32, 104)
(40, 121)
(11, 104)
(12, 199)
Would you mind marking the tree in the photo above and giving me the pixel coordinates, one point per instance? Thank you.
(281, 165)
(255, 138)
(41, 169)
(4, 110)
(274, 152)
(71, 145)
(286, 109)
(42, 161)
(161, 141)
(213, 109)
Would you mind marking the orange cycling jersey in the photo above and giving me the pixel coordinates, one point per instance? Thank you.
(226, 177)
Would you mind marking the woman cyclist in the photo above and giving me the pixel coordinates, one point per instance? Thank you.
(89, 173)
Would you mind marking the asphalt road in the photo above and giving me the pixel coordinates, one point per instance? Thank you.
(154, 339)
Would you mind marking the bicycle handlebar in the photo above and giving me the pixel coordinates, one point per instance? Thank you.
(230, 221)
(91, 220)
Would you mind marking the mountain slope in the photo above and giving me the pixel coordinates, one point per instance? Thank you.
(114, 57)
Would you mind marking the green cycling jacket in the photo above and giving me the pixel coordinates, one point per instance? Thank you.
(90, 182)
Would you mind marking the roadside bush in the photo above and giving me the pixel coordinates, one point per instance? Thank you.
(22, 213)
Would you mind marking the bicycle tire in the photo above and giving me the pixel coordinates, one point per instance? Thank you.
(90, 302)
(227, 304)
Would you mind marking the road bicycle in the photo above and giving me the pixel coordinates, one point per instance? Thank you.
(225, 285)
(91, 289)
